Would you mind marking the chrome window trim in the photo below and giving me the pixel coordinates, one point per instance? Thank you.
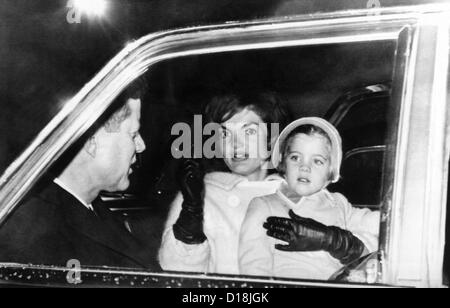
(348, 100)
(118, 274)
(413, 225)
(92, 100)
(366, 149)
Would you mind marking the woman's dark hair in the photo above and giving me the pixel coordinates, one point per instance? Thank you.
(270, 106)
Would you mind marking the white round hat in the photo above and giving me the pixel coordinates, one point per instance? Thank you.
(331, 131)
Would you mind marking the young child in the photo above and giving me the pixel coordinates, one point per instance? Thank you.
(315, 231)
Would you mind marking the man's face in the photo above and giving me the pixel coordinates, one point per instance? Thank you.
(307, 164)
(244, 143)
(116, 151)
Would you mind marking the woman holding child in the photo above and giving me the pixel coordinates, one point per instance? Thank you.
(204, 223)
(211, 227)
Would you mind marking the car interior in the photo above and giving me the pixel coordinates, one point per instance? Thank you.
(346, 83)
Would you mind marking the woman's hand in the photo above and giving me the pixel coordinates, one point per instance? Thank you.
(189, 226)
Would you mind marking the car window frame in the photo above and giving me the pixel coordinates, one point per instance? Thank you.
(403, 24)
(412, 232)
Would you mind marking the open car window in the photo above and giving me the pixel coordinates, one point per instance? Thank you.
(362, 168)
(359, 79)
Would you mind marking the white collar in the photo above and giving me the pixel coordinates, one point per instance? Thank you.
(228, 180)
(64, 186)
(322, 193)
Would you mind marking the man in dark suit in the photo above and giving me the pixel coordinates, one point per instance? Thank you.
(65, 220)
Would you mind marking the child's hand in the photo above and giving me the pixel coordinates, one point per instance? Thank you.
(306, 234)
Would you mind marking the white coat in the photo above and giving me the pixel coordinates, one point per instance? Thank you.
(227, 197)
(257, 253)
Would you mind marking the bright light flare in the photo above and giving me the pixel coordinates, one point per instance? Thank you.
(91, 7)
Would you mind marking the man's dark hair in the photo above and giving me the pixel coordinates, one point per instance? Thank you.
(119, 110)
(135, 90)
(270, 106)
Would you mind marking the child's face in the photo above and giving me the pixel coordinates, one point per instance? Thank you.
(307, 164)
(244, 144)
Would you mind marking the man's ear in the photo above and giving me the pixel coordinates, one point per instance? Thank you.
(91, 146)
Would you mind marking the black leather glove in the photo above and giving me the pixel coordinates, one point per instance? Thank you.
(305, 234)
(189, 225)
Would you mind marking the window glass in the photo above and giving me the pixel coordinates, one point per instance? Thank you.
(50, 50)
(311, 79)
(363, 161)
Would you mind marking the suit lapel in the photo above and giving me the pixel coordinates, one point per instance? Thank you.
(100, 228)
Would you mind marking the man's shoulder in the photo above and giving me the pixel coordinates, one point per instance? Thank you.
(31, 223)
(36, 209)
(47, 198)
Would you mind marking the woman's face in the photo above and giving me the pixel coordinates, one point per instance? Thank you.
(307, 164)
(244, 145)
